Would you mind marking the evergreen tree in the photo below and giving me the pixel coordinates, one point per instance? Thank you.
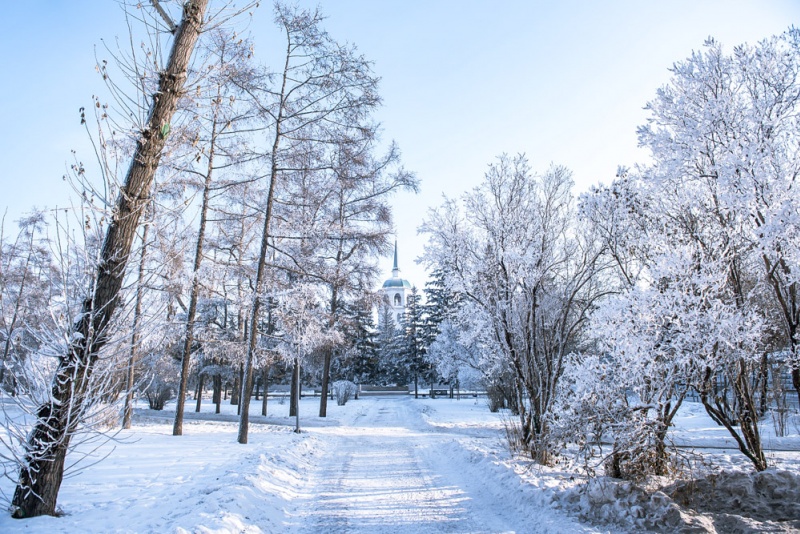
(360, 364)
(413, 342)
(389, 343)
(440, 304)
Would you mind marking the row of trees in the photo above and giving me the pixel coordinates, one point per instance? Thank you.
(680, 277)
(251, 207)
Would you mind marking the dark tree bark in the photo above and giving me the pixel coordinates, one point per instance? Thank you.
(235, 389)
(239, 390)
(326, 373)
(217, 395)
(294, 399)
(265, 376)
(200, 384)
(326, 366)
(296, 393)
(46, 449)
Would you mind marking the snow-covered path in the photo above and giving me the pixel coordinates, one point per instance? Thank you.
(389, 471)
(383, 474)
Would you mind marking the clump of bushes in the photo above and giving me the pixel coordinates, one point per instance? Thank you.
(343, 390)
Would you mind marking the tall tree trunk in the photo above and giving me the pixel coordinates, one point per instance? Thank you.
(296, 394)
(764, 385)
(127, 412)
(240, 390)
(45, 451)
(235, 388)
(217, 395)
(201, 380)
(326, 366)
(294, 400)
(326, 372)
(177, 428)
(262, 263)
(265, 376)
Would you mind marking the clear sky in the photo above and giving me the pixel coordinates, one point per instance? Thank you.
(462, 81)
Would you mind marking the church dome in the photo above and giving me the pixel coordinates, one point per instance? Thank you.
(396, 282)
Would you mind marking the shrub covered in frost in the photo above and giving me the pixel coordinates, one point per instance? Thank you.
(343, 390)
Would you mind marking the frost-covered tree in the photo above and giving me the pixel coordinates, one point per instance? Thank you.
(413, 345)
(440, 305)
(28, 280)
(389, 342)
(216, 148)
(703, 241)
(319, 96)
(360, 362)
(726, 126)
(302, 328)
(517, 256)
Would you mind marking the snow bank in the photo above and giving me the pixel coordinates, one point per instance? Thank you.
(770, 496)
(724, 502)
(608, 501)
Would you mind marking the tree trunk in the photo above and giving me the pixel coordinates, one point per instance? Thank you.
(241, 389)
(296, 395)
(46, 449)
(294, 400)
(326, 371)
(326, 366)
(265, 380)
(200, 392)
(235, 388)
(177, 428)
(217, 395)
(764, 384)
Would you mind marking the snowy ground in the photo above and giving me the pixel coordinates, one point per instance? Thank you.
(388, 464)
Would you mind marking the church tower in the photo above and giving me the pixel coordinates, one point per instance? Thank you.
(396, 290)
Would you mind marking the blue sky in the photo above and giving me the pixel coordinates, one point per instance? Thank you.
(462, 82)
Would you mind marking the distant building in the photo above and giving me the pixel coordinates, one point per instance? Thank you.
(396, 291)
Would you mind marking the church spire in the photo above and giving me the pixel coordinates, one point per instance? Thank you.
(395, 269)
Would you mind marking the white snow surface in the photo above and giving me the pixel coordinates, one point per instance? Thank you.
(389, 464)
